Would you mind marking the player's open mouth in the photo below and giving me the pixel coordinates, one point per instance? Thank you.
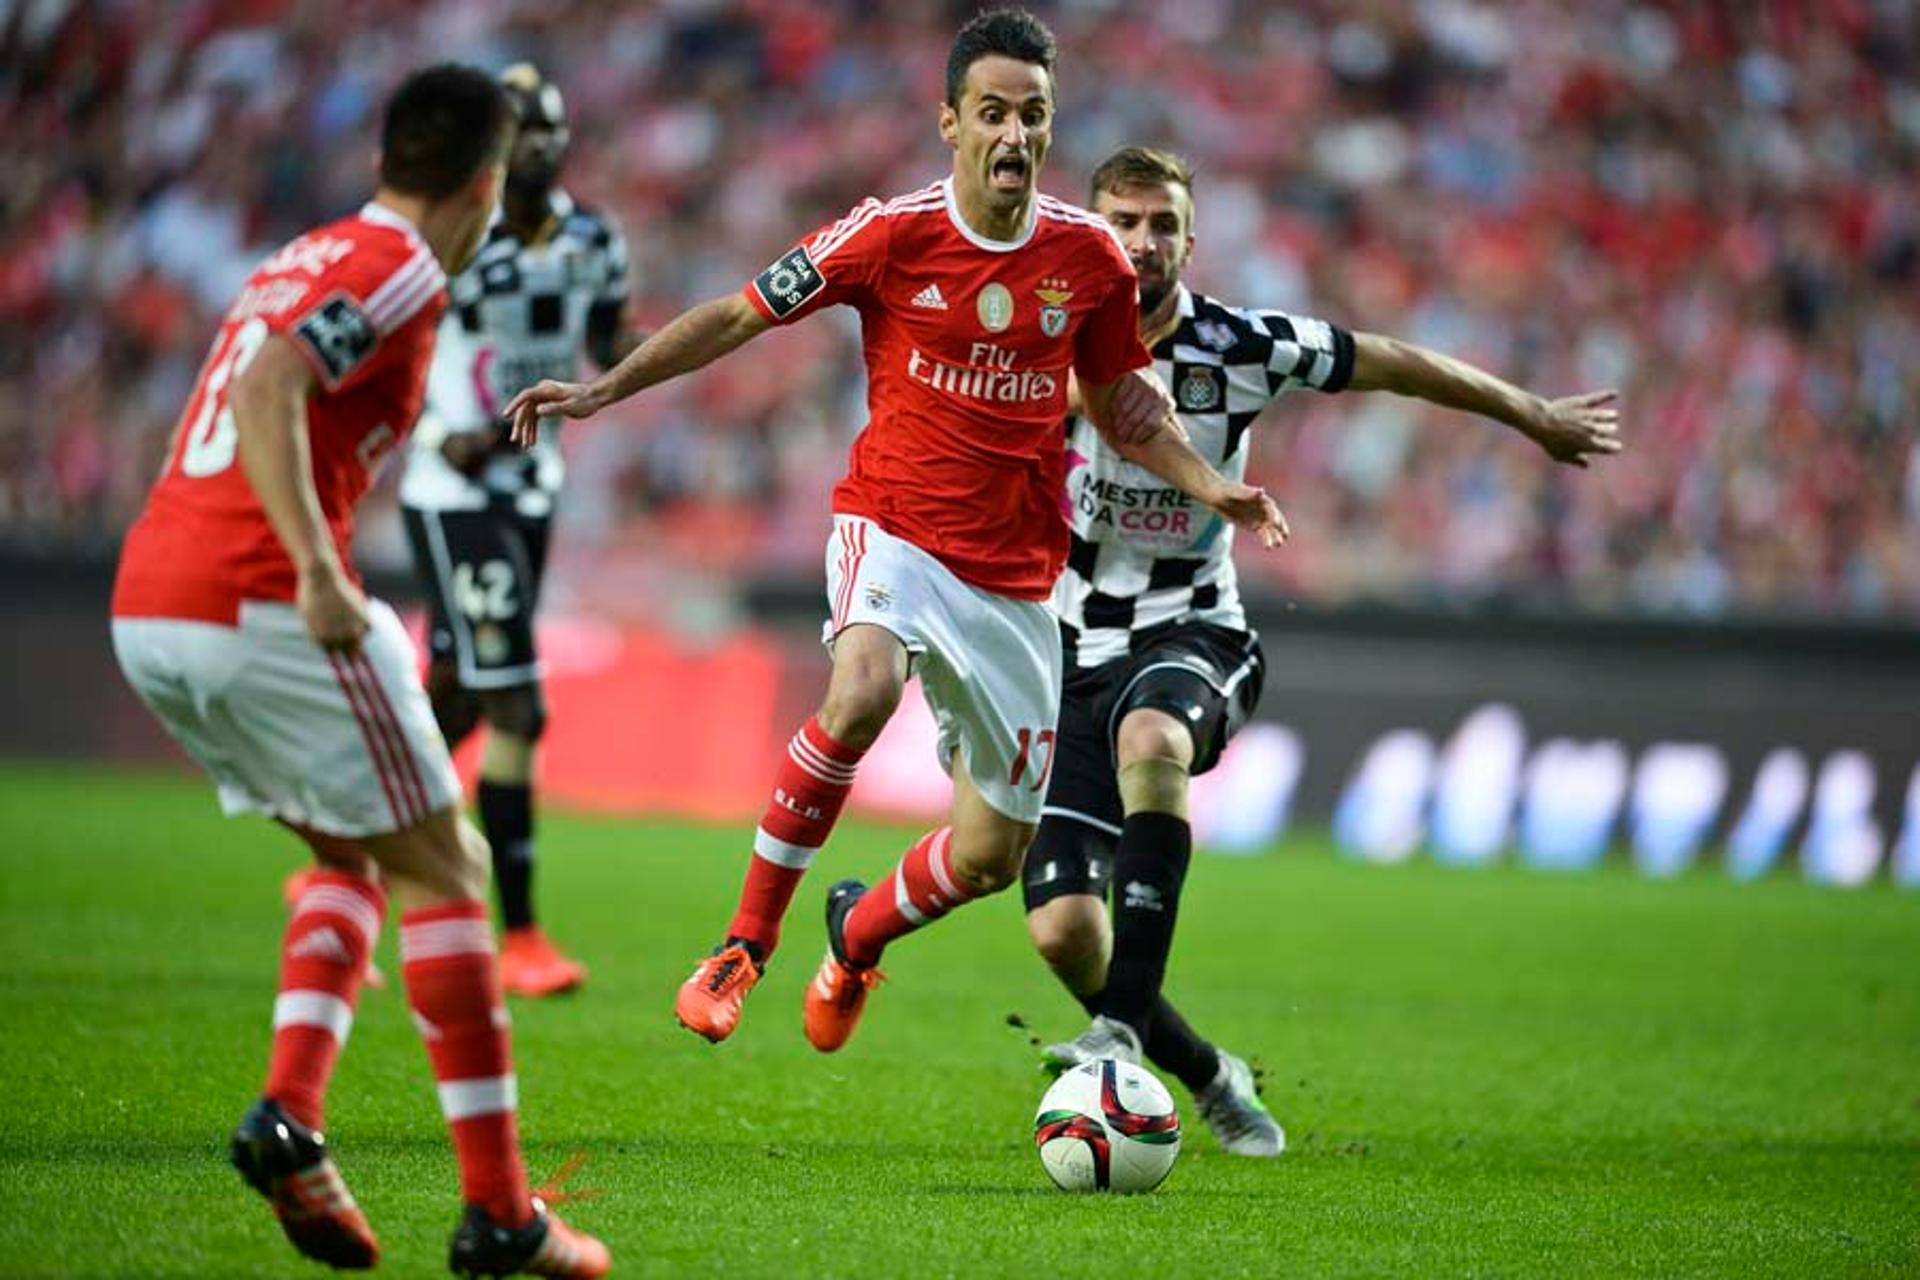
(1009, 172)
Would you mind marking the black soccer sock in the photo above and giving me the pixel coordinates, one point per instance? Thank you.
(1177, 1048)
(1170, 1043)
(1148, 869)
(506, 812)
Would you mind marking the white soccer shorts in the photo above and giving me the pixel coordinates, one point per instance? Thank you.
(345, 745)
(989, 664)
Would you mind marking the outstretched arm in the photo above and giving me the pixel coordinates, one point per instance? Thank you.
(691, 340)
(1135, 415)
(1569, 429)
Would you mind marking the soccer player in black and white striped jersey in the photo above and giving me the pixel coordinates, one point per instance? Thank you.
(1161, 665)
(549, 282)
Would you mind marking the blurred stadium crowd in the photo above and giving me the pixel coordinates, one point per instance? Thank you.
(1715, 207)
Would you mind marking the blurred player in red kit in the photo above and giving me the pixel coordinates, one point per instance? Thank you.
(978, 299)
(238, 620)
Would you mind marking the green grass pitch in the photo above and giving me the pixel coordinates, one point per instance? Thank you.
(1492, 1074)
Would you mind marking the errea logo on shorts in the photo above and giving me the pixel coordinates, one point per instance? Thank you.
(788, 283)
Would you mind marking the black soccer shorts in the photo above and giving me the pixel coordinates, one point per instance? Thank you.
(482, 572)
(1207, 677)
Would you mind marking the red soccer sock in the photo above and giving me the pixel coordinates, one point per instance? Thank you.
(453, 985)
(323, 955)
(918, 891)
(807, 796)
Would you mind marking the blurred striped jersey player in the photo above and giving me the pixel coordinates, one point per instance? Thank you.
(549, 281)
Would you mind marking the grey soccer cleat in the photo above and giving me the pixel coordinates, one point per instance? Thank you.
(1232, 1108)
(1106, 1038)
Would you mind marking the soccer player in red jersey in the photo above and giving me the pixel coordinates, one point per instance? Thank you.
(978, 298)
(238, 620)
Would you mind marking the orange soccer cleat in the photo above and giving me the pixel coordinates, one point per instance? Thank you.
(709, 1001)
(530, 965)
(838, 993)
(545, 1246)
(288, 1163)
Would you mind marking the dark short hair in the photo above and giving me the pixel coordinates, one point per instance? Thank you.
(1010, 32)
(444, 125)
(1142, 167)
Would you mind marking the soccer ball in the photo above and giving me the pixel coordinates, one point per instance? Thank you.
(1107, 1126)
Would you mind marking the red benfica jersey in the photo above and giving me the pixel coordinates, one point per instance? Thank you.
(359, 299)
(968, 345)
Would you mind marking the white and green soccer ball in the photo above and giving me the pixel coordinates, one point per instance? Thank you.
(1107, 1126)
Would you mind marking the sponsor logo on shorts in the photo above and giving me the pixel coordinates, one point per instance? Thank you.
(879, 597)
(490, 643)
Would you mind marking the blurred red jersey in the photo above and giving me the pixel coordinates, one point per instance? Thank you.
(359, 299)
(968, 345)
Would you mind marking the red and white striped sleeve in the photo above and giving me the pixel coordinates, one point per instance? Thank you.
(377, 290)
(835, 264)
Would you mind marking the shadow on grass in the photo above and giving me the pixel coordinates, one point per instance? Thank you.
(211, 1146)
(1173, 1191)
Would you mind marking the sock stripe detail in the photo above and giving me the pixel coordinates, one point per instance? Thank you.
(818, 763)
(338, 900)
(782, 853)
(828, 745)
(313, 1009)
(491, 1095)
(903, 901)
(940, 863)
(438, 939)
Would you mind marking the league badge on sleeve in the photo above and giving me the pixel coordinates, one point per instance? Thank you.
(788, 283)
(339, 335)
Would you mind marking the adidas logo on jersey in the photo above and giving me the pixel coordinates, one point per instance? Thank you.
(930, 298)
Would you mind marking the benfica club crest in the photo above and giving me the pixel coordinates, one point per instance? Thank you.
(1054, 296)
